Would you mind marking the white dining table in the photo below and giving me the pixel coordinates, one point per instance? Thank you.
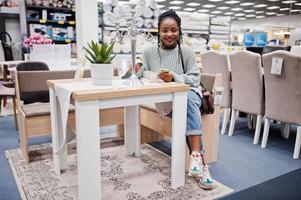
(88, 100)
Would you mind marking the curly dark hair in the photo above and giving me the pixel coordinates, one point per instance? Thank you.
(173, 15)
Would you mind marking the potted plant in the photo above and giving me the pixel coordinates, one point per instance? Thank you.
(100, 56)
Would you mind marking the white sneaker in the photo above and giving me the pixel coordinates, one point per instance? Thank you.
(205, 181)
(195, 167)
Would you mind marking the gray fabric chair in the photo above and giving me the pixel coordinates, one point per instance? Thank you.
(283, 94)
(247, 88)
(214, 63)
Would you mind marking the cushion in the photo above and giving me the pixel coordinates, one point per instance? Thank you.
(39, 109)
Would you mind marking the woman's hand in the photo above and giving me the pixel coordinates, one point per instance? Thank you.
(165, 76)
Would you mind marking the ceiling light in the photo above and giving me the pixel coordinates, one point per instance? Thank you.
(298, 4)
(228, 13)
(247, 4)
(223, 8)
(260, 5)
(193, 4)
(231, 2)
(236, 9)
(288, 2)
(189, 9)
(273, 0)
(160, 1)
(296, 10)
(176, 2)
(216, 12)
(251, 15)
(283, 9)
(273, 7)
(280, 15)
(270, 13)
(241, 18)
(174, 7)
(260, 11)
(260, 16)
(249, 11)
(208, 6)
(160, 6)
(203, 10)
(215, 0)
(282, 33)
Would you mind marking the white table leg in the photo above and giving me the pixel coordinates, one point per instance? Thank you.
(132, 130)
(59, 160)
(88, 150)
(179, 110)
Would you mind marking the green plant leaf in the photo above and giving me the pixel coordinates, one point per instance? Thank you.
(111, 58)
(109, 51)
(89, 59)
(92, 55)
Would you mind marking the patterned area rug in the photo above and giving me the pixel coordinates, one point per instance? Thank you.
(123, 177)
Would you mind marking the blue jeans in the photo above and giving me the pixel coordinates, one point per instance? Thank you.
(193, 122)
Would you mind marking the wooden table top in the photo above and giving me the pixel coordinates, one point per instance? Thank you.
(115, 92)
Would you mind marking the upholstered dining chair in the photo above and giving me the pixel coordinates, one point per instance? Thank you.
(247, 88)
(283, 94)
(8, 92)
(35, 96)
(216, 63)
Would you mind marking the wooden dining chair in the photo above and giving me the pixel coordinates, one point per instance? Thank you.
(9, 92)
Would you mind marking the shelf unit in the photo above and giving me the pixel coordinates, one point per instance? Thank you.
(220, 30)
(56, 22)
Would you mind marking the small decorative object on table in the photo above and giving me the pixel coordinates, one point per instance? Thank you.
(100, 56)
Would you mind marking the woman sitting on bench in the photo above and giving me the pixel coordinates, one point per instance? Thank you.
(177, 63)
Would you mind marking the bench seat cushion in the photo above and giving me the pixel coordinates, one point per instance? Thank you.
(39, 109)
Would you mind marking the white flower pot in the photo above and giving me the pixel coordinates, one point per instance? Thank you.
(102, 74)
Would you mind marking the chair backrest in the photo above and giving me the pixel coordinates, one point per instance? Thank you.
(213, 63)
(247, 82)
(269, 49)
(283, 92)
(296, 50)
(31, 85)
(32, 66)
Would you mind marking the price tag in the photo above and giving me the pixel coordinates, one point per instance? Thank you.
(218, 96)
(61, 22)
(42, 21)
(68, 40)
(71, 22)
(276, 66)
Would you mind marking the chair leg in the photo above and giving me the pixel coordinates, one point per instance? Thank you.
(258, 129)
(285, 130)
(232, 122)
(297, 143)
(225, 120)
(0, 104)
(23, 140)
(265, 133)
(15, 113)
(249, 121)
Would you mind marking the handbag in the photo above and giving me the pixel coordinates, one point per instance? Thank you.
(207, 98)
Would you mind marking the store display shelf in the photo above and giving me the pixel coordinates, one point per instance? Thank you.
(43, 21)
(50, 8)
(112, 28)
(154, 30)
(66, 41)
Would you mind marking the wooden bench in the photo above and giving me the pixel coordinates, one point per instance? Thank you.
(156, 128)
